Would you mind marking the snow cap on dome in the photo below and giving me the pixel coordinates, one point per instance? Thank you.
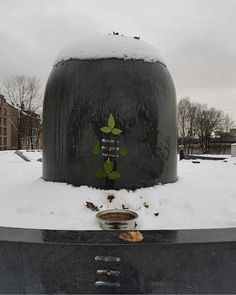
(110, 46)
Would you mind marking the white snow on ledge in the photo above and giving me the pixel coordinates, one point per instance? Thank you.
(203, 197)
(110, 46)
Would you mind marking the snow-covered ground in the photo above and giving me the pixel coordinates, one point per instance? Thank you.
(203, 197)
(32, 155)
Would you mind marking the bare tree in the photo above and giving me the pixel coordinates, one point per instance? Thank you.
(187, 128)
(197, 123)
(208, 121)
(192, 124)
(182, 117)
(227, 124)
(24, 94)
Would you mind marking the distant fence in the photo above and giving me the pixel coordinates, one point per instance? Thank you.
(216, 147)
(195, 157)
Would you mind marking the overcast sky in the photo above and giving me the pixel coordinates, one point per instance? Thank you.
(197, 38)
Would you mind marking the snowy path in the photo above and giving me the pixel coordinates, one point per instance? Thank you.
(203, 197)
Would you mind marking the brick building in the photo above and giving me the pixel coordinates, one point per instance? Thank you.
(8, 125)
(11, 134)
(30, 130)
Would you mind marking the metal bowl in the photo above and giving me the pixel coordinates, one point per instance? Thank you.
(117, 219)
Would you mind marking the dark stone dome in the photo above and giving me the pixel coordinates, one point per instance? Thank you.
(110, 122)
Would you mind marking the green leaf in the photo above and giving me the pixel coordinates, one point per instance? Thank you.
(96, 149)
(114, 175)
(108, 166)
(100, 173)
(111, 121)
(105, 129)
(123, 150)
(116, 131)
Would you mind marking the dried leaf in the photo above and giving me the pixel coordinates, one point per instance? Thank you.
(145, 205)
(131, 236)
(91, 206)
(110, 198)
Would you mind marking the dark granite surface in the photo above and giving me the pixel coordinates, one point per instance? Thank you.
(80, 95)
(111, 237)
(97, 262)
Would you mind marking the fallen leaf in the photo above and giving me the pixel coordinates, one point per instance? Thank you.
(131, 236)
(91, 206)
(110, 198)
(145, 205)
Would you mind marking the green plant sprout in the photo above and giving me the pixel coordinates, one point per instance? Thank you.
(96, 149)
(123, 151)
(110, 128)
(107, 171)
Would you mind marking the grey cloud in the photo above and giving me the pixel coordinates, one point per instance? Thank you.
(196, 37)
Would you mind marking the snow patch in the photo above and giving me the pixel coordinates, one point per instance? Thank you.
(32, 155)
(203, 197)
(110, 46)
